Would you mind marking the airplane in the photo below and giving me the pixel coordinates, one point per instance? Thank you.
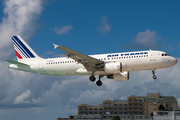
(113, 65)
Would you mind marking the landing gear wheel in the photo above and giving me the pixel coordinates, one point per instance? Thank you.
(98, 83)
(154, 77)
(92, 78)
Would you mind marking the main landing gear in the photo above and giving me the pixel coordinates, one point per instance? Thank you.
(154, 76)
(92, 79)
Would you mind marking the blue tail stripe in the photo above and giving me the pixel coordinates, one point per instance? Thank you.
(21, 49)
(24, 47)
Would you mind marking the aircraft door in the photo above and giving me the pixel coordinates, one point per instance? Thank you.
(152, 56)
(40, 66)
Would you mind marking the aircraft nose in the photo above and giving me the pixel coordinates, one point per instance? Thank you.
(175, 61)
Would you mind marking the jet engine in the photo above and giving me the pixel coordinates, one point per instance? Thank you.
(122, 76)
(115, 67)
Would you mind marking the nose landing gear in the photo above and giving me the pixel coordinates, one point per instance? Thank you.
(154, 76)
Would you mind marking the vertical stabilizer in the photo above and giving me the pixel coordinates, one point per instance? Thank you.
(22, 49)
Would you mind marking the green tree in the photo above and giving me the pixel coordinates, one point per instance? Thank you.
(161, 107)
(116, 118)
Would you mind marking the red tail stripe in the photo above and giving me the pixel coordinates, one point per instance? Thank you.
(18, 55)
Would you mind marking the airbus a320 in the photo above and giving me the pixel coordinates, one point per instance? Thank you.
(114, 65)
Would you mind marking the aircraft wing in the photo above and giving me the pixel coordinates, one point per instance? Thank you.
(15, 62)
(88, 62)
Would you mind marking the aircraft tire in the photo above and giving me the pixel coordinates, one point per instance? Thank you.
(98, 83)
(154, 77)
(92, 78)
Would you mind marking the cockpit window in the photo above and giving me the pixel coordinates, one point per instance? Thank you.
(165, 54)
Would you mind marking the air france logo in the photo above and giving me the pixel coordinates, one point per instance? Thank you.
(127, 54)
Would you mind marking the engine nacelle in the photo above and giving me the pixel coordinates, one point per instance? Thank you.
(123, 76)
(115, 67)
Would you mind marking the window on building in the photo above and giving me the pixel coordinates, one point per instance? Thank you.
(100, 109)
(90, 113)
(120, 112)
(135, 105)
(95, 113)
(110, 109)
(90, 109)
(110, 105)
(130, 105)
(115, 105)
(115, 109)
(125, 109)
(95, 109)
(120, 109)
(120, 105)
(105, 105)
(130, 109)
(125, 105)
(140, 100)
(135, 100)
(140, 105)
(115, 113)
(85, 108)
(130, 100)
(80, 113)
(81, 108)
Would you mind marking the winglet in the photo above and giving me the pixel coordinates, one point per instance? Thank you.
(55, 46)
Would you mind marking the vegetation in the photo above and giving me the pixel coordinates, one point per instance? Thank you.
(116, 118)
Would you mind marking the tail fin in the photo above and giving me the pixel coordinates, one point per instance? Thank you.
(22, 49)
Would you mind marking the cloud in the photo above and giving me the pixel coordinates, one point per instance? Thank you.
(105, 27)
(63, 30)
(20, 19)
(21, 98)
(145, 40)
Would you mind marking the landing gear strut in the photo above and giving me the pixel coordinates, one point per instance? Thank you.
(99, 83)
(154, 76)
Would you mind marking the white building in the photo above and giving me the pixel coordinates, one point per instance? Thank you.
(166, 115)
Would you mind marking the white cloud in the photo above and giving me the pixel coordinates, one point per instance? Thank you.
(105, 27)
(145, 40)
(20, 19)
(63, 30)
(22, 98)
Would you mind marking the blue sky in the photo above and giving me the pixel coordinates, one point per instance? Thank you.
(89, 27)
(125, 19)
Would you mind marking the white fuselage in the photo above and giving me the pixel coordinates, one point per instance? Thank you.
(134, 61)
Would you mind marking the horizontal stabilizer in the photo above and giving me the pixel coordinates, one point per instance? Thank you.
(15, 62)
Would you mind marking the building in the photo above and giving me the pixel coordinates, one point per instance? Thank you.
(166, 115)
(135, 105)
